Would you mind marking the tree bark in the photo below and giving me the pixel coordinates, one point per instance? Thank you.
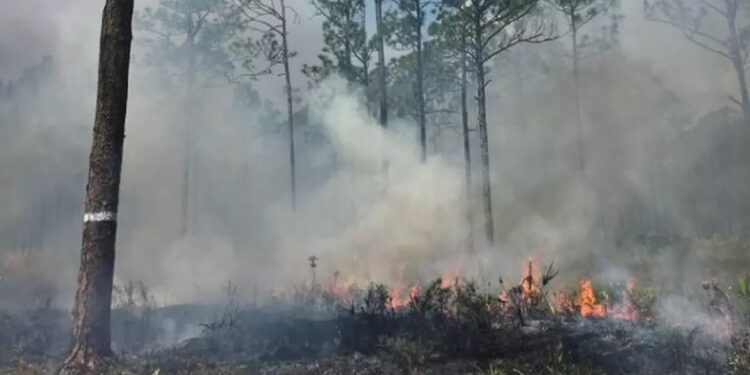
(381, 61)
(91, 351)
(365, 61)
(348, 69)
(467, 149)
(489, 223)
(420, 82)
(290, 105)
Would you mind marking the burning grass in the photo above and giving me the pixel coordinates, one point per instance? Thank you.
(447, 326)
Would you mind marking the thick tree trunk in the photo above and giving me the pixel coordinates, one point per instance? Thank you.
(420, 83)
(381, 62)
(484, 148)
(736, 53)
(290, 105)
(91, 350)
(467, 149)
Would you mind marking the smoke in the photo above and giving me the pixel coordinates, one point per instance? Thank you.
(367, 206)
(342, 220)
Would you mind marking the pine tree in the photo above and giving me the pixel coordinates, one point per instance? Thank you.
(186, 43)
(346, 50)
(694, 18)
(495, 26)
(91, 350)
(577, 14)
(405, 24)
(271, 19)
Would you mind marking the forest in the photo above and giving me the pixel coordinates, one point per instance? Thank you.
(410, 187)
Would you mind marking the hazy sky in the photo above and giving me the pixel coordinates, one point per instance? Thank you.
(68, 30)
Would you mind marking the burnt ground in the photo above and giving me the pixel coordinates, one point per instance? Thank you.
(468, 336)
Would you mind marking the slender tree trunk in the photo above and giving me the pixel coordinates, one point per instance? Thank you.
(366, 83)
(187, 166)
(348, 69)
(489, 223)
(420, 83)
(91, 349)
(365, 61)
(467, 149)
(290, 108)
(186, 178)
(381, 62)
(737, 60)
(579, 125)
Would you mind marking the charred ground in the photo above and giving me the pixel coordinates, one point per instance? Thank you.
(454, 326)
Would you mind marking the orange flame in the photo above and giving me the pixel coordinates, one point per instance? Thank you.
(530, 282)
(400, 296)
(451, 278)
(338, 289)
(627, 310)
(587, 301)
(563, 303)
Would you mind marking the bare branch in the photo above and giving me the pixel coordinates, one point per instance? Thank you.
(715, 8)
(706, 46)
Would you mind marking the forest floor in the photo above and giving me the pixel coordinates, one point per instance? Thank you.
(440, 328)
(470, 335)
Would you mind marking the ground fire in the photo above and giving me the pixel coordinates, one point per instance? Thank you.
(375, 187)
(531, 290)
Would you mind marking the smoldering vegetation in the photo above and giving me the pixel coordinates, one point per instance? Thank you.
(237, 281)
(445, 326)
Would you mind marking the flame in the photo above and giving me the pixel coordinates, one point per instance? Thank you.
(530, 286)
(451, 278)
(530, 282)
(627, 310)
(562, 302)
(398, 297)
(401, 295)
(339, 290)
(587, 301)
(528, 292)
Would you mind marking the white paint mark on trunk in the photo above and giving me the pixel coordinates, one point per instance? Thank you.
(99, 216)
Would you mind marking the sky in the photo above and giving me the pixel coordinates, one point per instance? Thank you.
(68, 30)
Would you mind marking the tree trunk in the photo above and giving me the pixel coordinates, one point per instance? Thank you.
(737, 61)
(579, 126)
(420, 83)
(365, 61)
(489, 223)
(467, 149)
(527, 134)
(290, 108)
(348, 68)
(91, 350)
(190, 106)
(381, 61)
(186, 178)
